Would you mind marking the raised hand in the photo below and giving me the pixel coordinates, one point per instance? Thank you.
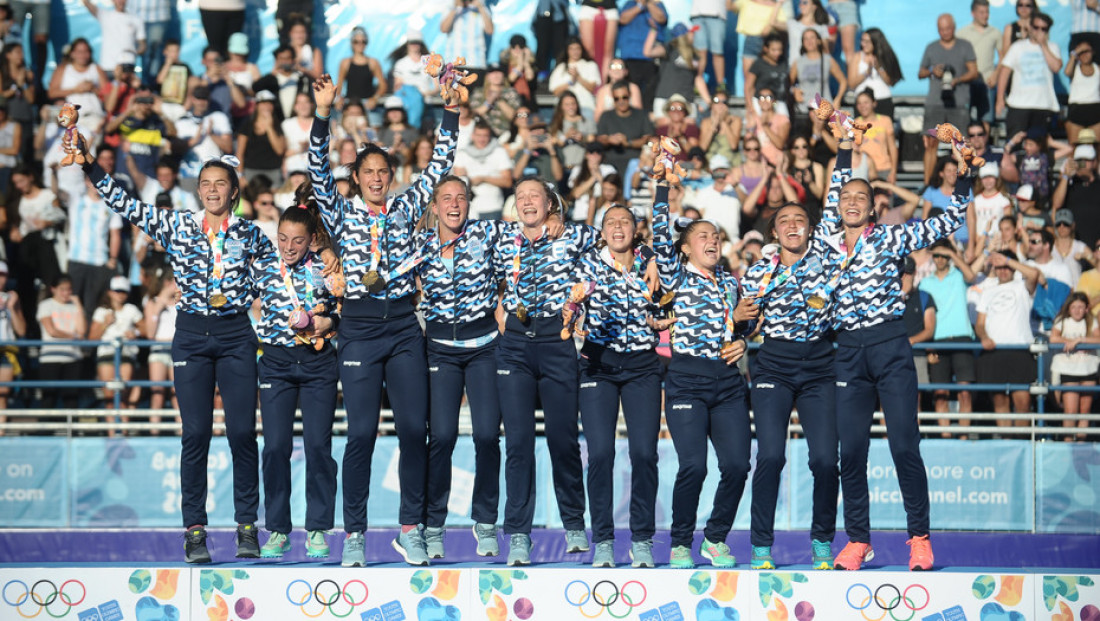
(324, 93)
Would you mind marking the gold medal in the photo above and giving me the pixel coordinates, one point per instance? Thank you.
(218, 300)
(521, 312)
(374, 281)
(667, 298)
(816, 301)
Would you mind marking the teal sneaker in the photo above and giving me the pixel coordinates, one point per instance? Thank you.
(641, 553)
(519, 550)
(717, 553)
(410, 545)
(762, 558)
(681, 558)
(316, 545)
(576, 541)
(605, 554)
(822, 553)
(486, 535)
(433, 541)
(353, 555)
(277, 545)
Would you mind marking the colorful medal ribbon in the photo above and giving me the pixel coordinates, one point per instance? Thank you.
(835, 279)
(628, 273)
(421, 255)
(787, 272)
(521, 308)
(217, 247)
(377, 230)
(288, 284)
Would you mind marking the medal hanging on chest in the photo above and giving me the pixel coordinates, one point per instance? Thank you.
(373, 279)
(517, 268)
(217, 270)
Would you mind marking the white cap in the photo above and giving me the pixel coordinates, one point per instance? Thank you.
(120, 283)
(719, 162)
(265, 95)
(1084, 152)
(393, 102)
(990, 169)
(1025, 192)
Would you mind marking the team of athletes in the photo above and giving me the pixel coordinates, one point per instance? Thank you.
(834, 282)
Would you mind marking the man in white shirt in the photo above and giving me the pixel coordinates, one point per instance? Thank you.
(123, 35)
(206, 134)
(488, 169)
(1039, 248)
(1031, 63)
(718, 201)
(986, 41)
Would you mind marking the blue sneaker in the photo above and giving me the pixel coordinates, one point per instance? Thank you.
(316, 545)
(410, 545)
(353, 551)
(276, 546)
(762, 558)
(486, 535)
(717, 553)
(641, 554)
(576, 541)
(605, 554)
(822, 553)
(519, 550)
(681, 558)
(433, 541)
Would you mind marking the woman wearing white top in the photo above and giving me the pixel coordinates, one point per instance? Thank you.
(309, 59)
(811, 16)
(160, 326)
(577, 73)
(77, 81)
(13, 325)
(1084, 91)
(1075, 325)
(876, 68)
(115, 319)
(296, 133)
(617, 72)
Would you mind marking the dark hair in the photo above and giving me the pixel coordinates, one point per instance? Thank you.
(285, 47)
(771, 221)
(234, 181)
(868, 92)
(685, 231)
(1008, 253)
(564, 57)
(937, 171)
(1043, 17)
(166, 161)
(171, 41)
(1046, 236)
(74, 43)
(1076, 296)
(977, 3)
(821, 16)
(61, 279)
(305, 211)
(821, 47)
(365, 151)
(773, 37)
(558, 119)
(885, 56)
(557, 205)
(620, 84)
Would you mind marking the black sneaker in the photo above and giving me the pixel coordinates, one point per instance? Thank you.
(194, 546)
(248, 546)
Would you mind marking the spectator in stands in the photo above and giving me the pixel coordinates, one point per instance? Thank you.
(518, 62)
(1004, 312)
(77, 80)
(767, 72)
(223, 93)
(362, 74)
(938, 195)
(599, 19)
(467, 26)
(410, 82)
(1084, 91)
(894, 204)
(174, 75)
(18, 90)
(811, 16)
(876, 68)
(239, 69)
(770, 125)
(1031, 64)
(206, 134)
(1089, 283)
(39, 13)
(114, 319)
(396, 133)
(611, 195)
(752, 169)
(261, 144)
(808, 173)
(1067, 249)
(9, 31)
(618, 72)
(307, 58)
(949, 64)
(117, 98)
(496, 101)
(570, 130)
(676, 124)
(95, 239)
(718, 199)
(1033, 165)
(37, 232)
(577, 73)
(709, 18)
(948, 287)
(143, 130)
(416, 160)
(986, 41)
(1086, 24)
(551, 27)
(1039, 255)
(466, 120)
(122, 34)
(636, 19)
(919, 317)
(540, 157)
(11, 138)
(156, 17)
(166, 182)
(879, 142)
(677, 74)
(61, 318)
(991, 203)
(810, 75)
(13, 325)
(977, 136)
(774, 190)
(285, 81)
(487, 169)
(1079, 192)
(585, 181)
(1030, 216)
(160, 326)
(1075, 367)
(624, 131)
(720, 131)
(220, 19)
(757, 22)
(1017, 30)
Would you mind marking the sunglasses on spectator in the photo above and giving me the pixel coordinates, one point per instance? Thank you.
(1024, 5)
(522, 115)
(675, 108)
(751, 149)
(1039, 28)
(622, 97)
(720, 100)
(265, 202)
(358, 41)
(765, 98)
(618, 66)
(800, 146)
(975, 134)
(1034, 242)
(940, 256)
(1065, 224)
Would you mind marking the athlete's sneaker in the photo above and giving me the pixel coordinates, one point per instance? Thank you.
(822, 554)
(576, 541)
(605, 554)
(680, 558)
(762, 558)
(276, 546)
(433, 541)
(410, 545)
(194, 546)
(316, 545)
(717, 553)
(519, 550)
(854, 555)
(920, 553)
(353, 555)
(641, 554)
(248, 544)
(486, 535)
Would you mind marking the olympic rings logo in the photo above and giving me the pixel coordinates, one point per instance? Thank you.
(603, 596)
(43, 594)
(327, 594)
(887, 598)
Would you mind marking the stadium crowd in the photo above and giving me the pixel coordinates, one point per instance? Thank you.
(1024, 265)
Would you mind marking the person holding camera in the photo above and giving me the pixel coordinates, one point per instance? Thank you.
(143, 130)
(123, 38)
(1079, 192)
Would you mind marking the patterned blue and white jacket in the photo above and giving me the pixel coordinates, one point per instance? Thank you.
(275, 301)
(618, 308)
(189, 251)
(350, 222)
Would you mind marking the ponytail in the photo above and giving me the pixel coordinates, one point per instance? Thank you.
(307, 213)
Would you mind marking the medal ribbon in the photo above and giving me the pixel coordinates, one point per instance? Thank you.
(787, 272)
(217, 247)
(421, 255)
(288, 284)
(517, 267)
(377, 230)
(835, 279)
(628, 273)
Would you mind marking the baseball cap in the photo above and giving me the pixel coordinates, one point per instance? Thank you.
(1025, 192)
(990, 169)
(1084, 152)
(1063, 216)
(394, 102)
(719, 162)
(265, 95)
(238, 43)
(1086, 136)
(119, 283)
(680, 30)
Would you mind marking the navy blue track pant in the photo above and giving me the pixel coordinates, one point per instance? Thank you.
(706, 398)
(373, 350)
(526, 367)
(452, 371)
(633, 379)
(876, 365)
(290, 376)
(789, 373)
(208, 351)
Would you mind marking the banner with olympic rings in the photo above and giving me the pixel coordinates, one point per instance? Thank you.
(96, 594)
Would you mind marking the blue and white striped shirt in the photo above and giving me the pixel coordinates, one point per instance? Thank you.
(467, 37)
(1084, 18)
(150, 10)
(90, 224)
(276, 304)
(618, 309)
